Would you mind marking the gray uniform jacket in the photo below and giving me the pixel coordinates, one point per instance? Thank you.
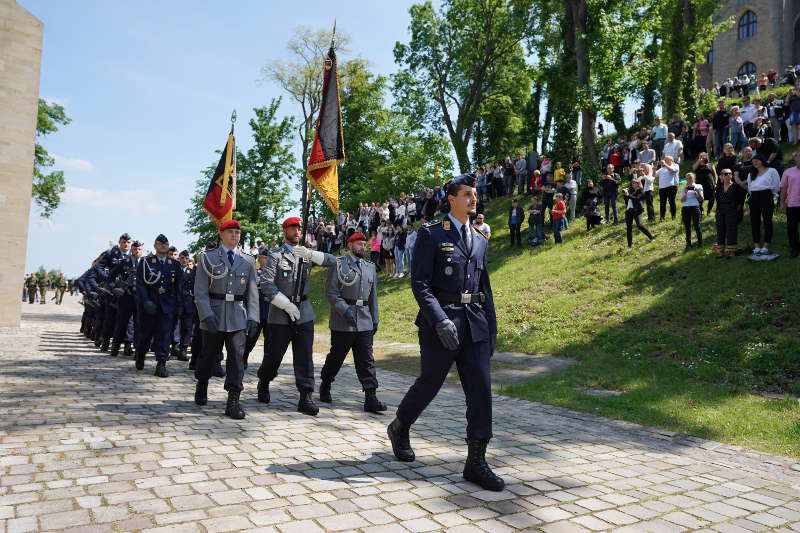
(237, 285)
(363, 291)
(279, 275)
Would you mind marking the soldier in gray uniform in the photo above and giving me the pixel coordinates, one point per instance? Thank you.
(352, 290)
(291, 318)
(226, 296)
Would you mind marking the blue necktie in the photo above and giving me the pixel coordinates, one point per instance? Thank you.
(466, 241)
(230, 257)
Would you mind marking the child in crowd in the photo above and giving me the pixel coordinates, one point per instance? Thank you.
(559, 215)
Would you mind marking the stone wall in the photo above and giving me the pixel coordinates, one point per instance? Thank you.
(20, 55)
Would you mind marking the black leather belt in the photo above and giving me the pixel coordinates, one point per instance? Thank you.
(298, 299)
(227, 297)
(460, 297)
(360, 303)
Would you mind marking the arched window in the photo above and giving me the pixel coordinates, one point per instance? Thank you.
(747, 68)
(710, 54)
(747, 25)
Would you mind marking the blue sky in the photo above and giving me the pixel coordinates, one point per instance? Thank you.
(150, 88)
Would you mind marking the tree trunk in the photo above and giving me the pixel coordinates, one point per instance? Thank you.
(650, 88)
(536, 114)
(565, 110)
(676, 47)
(617, 118)
(548, 120)
(689, 80)
(582, 70)
(460, 147)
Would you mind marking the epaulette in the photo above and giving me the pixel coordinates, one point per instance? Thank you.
(433, 223)
(482, 233)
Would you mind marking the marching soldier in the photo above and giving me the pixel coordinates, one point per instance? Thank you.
(115, 255)
(71, 287)
(226, 296)
(291, 317)
(185, 320)
(32, 287)
(263, 308)
(122, 280)
(456, 323)
(158, 279)
(61, 288)
(197, 336)
(42, 283)
(352, 291)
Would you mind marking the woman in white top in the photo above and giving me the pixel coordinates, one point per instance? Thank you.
(645, 173)
(763, 185)
(691, 198)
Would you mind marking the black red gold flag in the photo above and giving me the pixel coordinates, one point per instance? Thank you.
(220, 200)
(327, 152)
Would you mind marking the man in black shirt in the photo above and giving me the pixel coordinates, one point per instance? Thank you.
(768, 149)
(610, 185)
(719, 123)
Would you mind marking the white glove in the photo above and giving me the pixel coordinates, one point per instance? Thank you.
(282, 302)
(304, 253)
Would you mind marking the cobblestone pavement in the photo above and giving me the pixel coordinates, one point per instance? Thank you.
(87, 444)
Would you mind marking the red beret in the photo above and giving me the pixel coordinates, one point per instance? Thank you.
(356, 237)
(291, 221)
(229, 224)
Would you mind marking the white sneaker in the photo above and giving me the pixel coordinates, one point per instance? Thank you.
(764, 251)
(401, 274)
(756, 251)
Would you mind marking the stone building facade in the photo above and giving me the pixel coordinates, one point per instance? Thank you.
(765, 35)
(20, 56)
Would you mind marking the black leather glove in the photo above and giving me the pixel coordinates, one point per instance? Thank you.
(351, 315)
(210, 324)
(448, 334)
(150, 308)
(252, 328)
(374, 329)
(118, 292)
(492, 344)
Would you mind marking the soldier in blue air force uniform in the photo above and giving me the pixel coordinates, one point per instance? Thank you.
(456, 323)
(158, 297)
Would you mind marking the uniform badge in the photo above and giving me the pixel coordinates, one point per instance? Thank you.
(169, 261)
(153, 260)
(446, 225)
(285, 274)
(448, 270)
(242, 280)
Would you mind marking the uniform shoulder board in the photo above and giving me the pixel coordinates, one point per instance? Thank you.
(480, 232)
(433, 223)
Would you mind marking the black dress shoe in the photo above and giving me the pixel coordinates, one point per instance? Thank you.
(477, 470)
(325, 393)
(128, 351)
(104, 345)
(401, 445)
(139, 360)
(263, 391)
(114, 350)
(174, 351)
(233, 409)
(201, 393)
(371, 402)
(218, 372)
(192, 363)
(161, 370)
(306, 404)
(98, 341)
(182, 355)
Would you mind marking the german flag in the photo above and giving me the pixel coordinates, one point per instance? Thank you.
(220, 199)
(327, 152)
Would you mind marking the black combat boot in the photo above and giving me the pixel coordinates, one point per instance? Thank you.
(306, 404)
(401, 445)
(477, 470)
(139, 360)
(114, 349)
(218, 372)
(233, 409)
(161, 370)
(174, 351)
(201, 393)
(98, 341)
(263, 391)
(104, 345)
(182, 355)
(325, 392)
(193, 362)
(371, 402)
(128, 351)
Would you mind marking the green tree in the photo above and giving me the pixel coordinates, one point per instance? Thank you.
(453, 61)
(47, 186)
(262, 189)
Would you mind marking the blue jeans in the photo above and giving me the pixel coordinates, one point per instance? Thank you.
(535, 232)
(720, 138)
(738, 140)
(558, 225)
(611, 201)
(399, 259)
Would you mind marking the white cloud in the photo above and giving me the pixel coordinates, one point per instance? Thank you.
(142, 200)
(74, 163)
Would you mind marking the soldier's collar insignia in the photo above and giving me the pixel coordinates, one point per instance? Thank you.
(169, 261)
(153, 260)
(446, 225)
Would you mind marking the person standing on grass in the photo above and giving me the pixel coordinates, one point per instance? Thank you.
(633, 211)
(790, 203)
(387, 251)
(375, 249)
(727, 222)
(572, 186)
(535, 223)
(610, 188)
(515, 217)
(559, 215)
(668, 180)
(707, 179)
(691, 200)
(763, 185)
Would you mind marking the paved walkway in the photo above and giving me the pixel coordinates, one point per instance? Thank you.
(87, 444)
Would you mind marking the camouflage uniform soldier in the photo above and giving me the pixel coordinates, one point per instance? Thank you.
(42, 282)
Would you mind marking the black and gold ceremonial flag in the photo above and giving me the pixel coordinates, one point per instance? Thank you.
(327, 152)
(220, 200)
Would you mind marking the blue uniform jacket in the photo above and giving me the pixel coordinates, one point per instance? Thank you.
(163, 290)
(120, 272)
(187, 291)
(441, 263)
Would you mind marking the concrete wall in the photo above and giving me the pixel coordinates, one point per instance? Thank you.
(20, 55)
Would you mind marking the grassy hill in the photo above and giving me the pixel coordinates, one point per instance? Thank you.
(687, 338)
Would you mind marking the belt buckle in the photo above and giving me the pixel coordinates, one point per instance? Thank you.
(359, 303)
(161, 290)
(229, 297)
(466, 298)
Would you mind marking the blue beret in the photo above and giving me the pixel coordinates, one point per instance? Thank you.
(162, 239)
(464, 179)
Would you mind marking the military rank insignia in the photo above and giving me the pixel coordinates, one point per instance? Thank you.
(446, 225)
(153, 260)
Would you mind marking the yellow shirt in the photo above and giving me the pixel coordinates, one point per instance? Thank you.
(559, 174)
